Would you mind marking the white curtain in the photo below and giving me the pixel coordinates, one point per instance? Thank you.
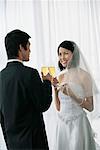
(49, 22)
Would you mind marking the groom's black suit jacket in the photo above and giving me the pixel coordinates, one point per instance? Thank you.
(23, 98)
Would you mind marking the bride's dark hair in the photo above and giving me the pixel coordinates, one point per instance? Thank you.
(74, 49)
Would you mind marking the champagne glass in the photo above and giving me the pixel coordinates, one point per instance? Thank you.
(45, 70)
(52, 71)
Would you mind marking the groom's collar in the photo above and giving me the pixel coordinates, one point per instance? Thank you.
(14, 60)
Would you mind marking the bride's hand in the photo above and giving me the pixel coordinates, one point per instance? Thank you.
(64, 88)
(67, 90)
(54, 82)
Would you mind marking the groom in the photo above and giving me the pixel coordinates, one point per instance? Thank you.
(23, 97)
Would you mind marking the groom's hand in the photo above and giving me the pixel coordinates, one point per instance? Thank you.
(46, 77)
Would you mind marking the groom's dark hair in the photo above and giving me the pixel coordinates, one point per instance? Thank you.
(13, 40)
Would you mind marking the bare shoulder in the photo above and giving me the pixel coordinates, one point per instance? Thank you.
(60, 78)
(85, 75)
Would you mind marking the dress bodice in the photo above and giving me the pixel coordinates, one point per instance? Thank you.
(69, 108)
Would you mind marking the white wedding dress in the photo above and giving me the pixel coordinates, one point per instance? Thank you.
(73, 131)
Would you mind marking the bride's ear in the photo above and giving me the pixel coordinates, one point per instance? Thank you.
(71, 57)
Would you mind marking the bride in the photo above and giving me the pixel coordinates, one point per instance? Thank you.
(73, 94)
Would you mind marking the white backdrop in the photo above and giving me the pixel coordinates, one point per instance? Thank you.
(49, 22)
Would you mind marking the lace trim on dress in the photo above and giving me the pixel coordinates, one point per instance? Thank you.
(71, 118)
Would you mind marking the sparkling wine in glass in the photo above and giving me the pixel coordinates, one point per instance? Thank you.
(52, 71)
(45, 70)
